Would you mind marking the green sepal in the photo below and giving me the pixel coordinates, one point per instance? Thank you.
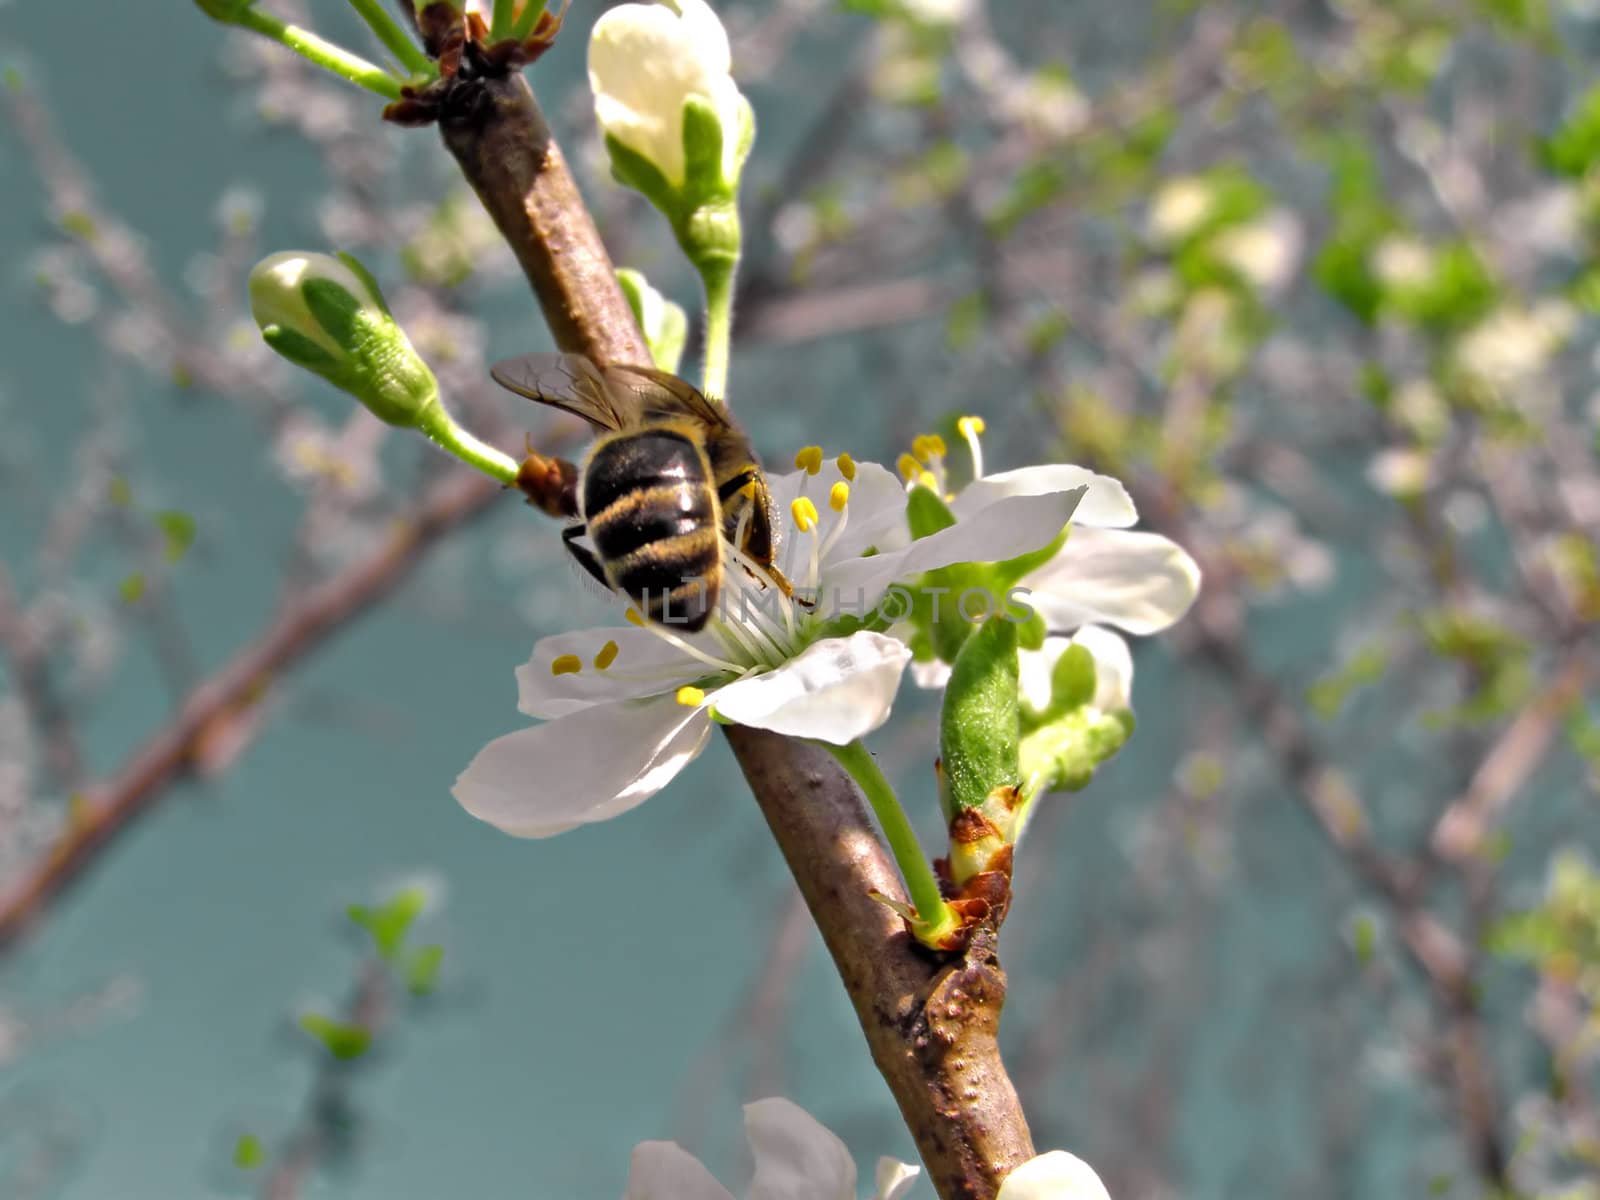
(302, 351)
(1062, 755)
(702, 152)
(927, 513)
(360, 272)
(634, 170)
(980, 724)
(336, 310)
(1010, 572)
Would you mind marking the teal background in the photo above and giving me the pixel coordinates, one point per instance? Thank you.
(593, 985)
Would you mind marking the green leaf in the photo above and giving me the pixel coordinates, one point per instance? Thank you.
(177, 532)
(248, 1153)
(422, 969)
(1575, 147)
(345, 1042)
(389, 922)
(702, 151)
(980, 723)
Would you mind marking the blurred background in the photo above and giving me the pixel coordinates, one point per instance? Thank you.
(1315, 278)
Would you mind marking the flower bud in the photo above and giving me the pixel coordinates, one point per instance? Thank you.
(675, 124)
(326, 314)
(1053, 1176)
(665, 325)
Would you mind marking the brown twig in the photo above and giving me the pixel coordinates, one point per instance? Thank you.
(930, 1021)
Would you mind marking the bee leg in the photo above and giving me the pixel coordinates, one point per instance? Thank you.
(550, 484)
(732, 487)
(582, 554)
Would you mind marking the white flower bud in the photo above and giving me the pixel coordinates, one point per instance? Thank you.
(1053, 1176)
(326, 314)
(646, 62)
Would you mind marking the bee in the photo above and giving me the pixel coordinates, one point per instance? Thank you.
(669, 477)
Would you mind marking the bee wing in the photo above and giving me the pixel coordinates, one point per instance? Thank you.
(571, 383)
(654, 393)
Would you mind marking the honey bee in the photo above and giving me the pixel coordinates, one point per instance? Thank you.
(669, 477)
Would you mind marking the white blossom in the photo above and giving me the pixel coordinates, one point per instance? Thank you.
(645, 62)
(623, 710)
(1053, 1176)
(796, 1157)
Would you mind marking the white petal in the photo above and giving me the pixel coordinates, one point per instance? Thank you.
(797, 1158)
(1106, 503)
(666, 1171)
(1141, 582)
(894, 1178)
(591, 765)
(835, 690)
(644, 62)
(1002, 530)
(645, 665)
(930, 675)
(877, 512)
(1053, 1176)
(1113, 667)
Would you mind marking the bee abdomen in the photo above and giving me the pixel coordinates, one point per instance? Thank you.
(673, 580)
(650, 514)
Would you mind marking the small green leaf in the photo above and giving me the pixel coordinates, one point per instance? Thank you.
(344, 1042)
(177, 532)
(422, 969)
(980, 722)
(389, 922)
(335, 310)
(702, 151)
(300, 350)
(248, 1153)
(132, 588)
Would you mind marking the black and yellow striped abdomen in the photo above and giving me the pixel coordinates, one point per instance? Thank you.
(650, 505)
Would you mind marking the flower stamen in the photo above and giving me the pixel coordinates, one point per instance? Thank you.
(607, 656)
(971, 428)
(566, 664)
(908, 467)
(690, 697)
(809, 460)
(847, 467)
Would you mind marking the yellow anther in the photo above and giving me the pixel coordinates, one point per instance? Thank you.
(607, 656)
(809, 460)
(970, 427)
(805, 514)
(567, 664)
(633, 618)
(928, 447)
(907, 466)
(691, 697)
(839, 496)
(927, 480)
(847, 467)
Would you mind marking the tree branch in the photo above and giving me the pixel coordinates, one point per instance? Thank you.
(930, 1021)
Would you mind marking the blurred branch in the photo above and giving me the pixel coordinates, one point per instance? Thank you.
(217, 707)
(28, 663)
